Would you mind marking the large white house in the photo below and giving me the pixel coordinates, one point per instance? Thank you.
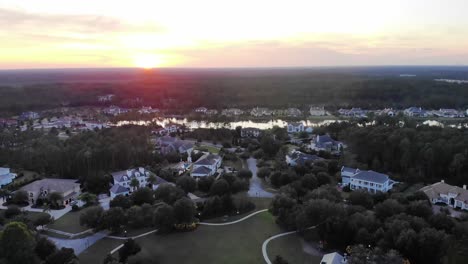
(123, 179)
(326, 143)
(370, 181)
(206, 166)
(317, 111)
(69, 189)
(441, 192)
(6, 177)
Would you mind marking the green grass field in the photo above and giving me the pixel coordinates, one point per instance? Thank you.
(70, 223)
(237, 243)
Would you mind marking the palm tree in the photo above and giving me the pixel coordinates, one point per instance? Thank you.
(134, 183)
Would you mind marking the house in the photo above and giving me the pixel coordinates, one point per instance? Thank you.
(211, 112)
(293, 112)
(333, 258)
(346, 174)
(317, 111)
(147, 110)
(451, 113)
(250, 132)
(415, 112)
(201, 110)
(326, 143)
(453, 196)
(114, 110)
(29, 116)
(232, 112)
(6, 177)
(298, 158)
(105, 98)
(295, 127)
(206, 166)
(370, 181)
(69, 189)
(8, 122)
(387, 112)
(261, 111)
(169, 144)
(123, 181)
(353, 112)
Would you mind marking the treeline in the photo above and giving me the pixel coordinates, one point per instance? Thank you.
(412, 154)
(186, 90)
(86, 156)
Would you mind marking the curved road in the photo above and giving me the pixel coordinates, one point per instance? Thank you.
(256, 188)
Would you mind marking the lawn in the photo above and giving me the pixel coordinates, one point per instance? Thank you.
(70, 223)
(231, 244)
(210, 149)
(291, 248)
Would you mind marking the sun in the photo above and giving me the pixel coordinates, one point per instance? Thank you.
(147, 61)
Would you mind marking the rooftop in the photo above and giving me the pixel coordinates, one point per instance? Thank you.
(53, 185)
(371, 176)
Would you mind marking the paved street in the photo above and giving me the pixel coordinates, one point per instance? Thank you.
(256, 188)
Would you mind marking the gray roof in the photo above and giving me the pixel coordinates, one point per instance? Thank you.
(349, 169)
(208, 160)
(119, 175)
(332, 258)
(201, 170)
(302, 158)
(371, 176)
(53, 185)
(434, 191)
(117, 189)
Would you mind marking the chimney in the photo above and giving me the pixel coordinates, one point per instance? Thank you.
(442, 181)
(464, 186)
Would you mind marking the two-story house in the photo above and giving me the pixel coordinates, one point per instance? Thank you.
(441, 192)
(370, 181)
(326, 143)
(295, 127)
(206, 166)
(123, 181)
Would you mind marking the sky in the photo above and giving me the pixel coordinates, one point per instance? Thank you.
(241, 33)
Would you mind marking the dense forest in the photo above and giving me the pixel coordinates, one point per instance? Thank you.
(185, 90)
(410, 154)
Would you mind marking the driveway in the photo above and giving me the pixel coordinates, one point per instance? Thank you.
(256, 188)
(56, 214)
(78, 245)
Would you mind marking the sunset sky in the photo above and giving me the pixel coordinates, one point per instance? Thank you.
(241, 33)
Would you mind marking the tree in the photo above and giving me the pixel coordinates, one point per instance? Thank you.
(279, 260)
(129, 248)
(91, 216)
(134, 183)
(62, 256)
(17, 244)
(184, 210)
(388, 208)
(42, 219)
(113, 219)
(55, 198)
(219, 187)
(269, 146)
(12, 211)
(121, 201)
(244, 174)
(186, 183)
(263, 173)
(44, 248)
(164, 218)
(135, 217)
(88, 198)
(142, 195)
(20, 198)
(168, 193)
(110, 260)
(205, 183)
(361, 198)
